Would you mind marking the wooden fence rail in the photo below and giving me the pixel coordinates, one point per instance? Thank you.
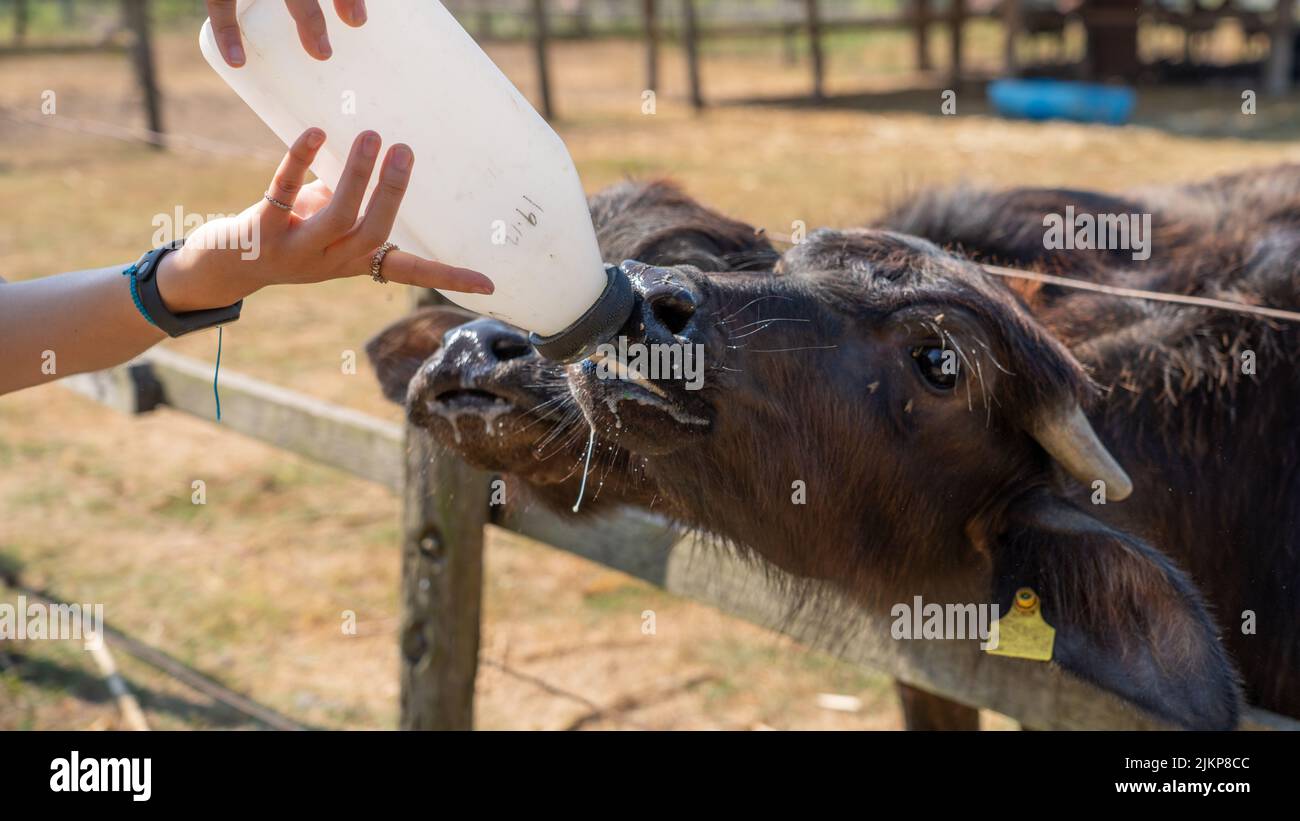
(446, 506)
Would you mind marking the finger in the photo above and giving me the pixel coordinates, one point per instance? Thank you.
(293, 168)
(352, 12)
(408, 269)
(225, 27)
(311, 27)
(381, 213)
(341, 215)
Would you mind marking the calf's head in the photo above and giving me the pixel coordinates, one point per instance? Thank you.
(659, 224)
(482, 391)
(479, 388)
(882, 415)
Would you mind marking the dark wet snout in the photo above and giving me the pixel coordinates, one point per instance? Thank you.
(484, 343)
(666, 304)
(484, 358)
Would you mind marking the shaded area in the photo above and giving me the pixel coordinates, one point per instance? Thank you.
(230, 701)
(55, 677)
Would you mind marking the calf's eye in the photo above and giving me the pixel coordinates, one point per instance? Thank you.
(938, 366)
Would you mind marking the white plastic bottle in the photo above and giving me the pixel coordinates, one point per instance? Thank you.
(494, 188)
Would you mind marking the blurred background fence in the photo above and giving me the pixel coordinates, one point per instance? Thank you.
(1102, 40)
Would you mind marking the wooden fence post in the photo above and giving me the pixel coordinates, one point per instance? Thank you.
(1011, 22)
(543, 69)
(581, 19)
(957, 25)
(444, 509)
(136, 13)
(1280, 54)
(815, 49)
(1112, 32)
(690, 38)
(650, 14)
(445, 506)
(921, 12)
(20, 22)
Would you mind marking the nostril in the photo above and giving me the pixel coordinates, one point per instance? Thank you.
(673, 309)
(505, 348)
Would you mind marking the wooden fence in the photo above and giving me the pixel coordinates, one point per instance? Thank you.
(1111, 27)
(812, 19)
(446, 507)
(683, 20)
(136, 19)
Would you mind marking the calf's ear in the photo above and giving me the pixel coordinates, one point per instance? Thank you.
(1126, 618)
(397, 351)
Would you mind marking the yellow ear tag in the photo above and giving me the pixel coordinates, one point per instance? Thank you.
(1022, 633)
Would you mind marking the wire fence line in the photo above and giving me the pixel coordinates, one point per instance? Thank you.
(139, 134)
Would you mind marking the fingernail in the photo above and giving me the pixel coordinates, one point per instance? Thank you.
(315, 139)
(324, 44)
(370, 146)
(402, 158)
(236, 54)
(359, 11)
(484, 286)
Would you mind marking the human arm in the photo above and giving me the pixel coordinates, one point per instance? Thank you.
(87, 320)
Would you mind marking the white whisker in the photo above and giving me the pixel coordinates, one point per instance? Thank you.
(784, 350)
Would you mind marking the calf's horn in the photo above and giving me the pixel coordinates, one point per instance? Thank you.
(1068, 436)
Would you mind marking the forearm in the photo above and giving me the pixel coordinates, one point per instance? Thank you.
(87, 320)
(70, 323)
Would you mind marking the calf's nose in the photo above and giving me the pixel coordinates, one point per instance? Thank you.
(486, 342)
(665, 309)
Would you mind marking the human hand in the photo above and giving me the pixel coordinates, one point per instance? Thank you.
(321, 238)
(306, 13)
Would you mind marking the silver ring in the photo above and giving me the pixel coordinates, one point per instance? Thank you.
(283, 206)
(378, 260)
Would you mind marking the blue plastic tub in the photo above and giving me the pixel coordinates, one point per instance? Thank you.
(1062, 100)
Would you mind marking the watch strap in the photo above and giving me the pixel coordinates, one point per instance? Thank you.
(156, 310)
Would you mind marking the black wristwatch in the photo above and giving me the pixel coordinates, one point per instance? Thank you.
(145, 283)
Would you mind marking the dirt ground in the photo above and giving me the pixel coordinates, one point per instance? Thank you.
(250, 587)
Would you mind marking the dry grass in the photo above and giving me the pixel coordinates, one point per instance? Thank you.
(251, 587)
